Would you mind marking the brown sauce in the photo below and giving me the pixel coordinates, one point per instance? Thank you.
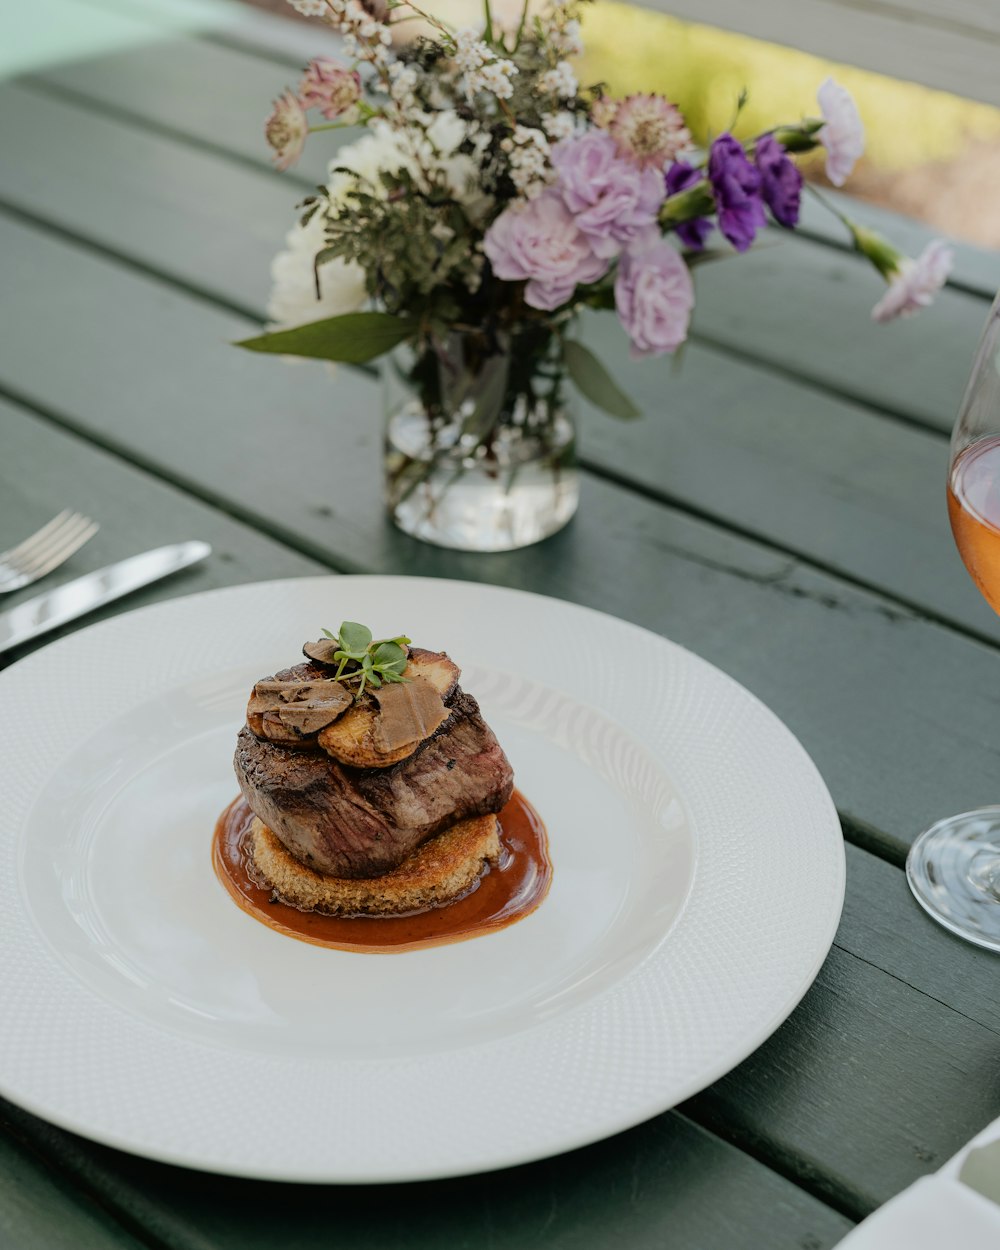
(506, 892)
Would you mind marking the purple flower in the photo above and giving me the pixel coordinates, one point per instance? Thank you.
(692, 233)
(654, 296)
(780, 180)
(612, 199)
(538, 240)
(737, 192)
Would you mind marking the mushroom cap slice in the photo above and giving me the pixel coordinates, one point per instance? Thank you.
(354, 738)
(305, 705)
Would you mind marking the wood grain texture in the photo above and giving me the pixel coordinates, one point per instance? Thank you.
(665, 1183)
(38, 1211)
(44, 469)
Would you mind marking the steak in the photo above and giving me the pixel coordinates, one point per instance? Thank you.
(363, 822)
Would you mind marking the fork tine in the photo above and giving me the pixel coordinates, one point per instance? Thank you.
(69, 545)
(40, 553)
(7, 557)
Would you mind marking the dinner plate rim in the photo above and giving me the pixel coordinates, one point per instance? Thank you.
(601, 1127)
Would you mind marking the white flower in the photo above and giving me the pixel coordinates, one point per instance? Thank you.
(470, 51)
(843, 136)
(529, 166)
(293, 299)
(560, 81)
(559, 125)
(309, 8)
(568, 41)
(915, 282)
(404, 82)
(447, 131)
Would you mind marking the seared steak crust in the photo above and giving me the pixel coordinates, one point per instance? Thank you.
(362, 822)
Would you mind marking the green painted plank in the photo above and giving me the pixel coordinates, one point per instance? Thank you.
(204, 222)
(925, 1073)
(666, 1183)
(39, 1211)
(976, 268)
(50, 32)
(806, 309)
(881, 924)
(169, 81)
(44, 469)
(795, 466)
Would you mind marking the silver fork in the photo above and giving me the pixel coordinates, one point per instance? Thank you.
(45, 550)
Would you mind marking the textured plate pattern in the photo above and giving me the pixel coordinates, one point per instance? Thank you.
(757, 922)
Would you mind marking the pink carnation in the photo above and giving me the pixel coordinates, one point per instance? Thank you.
(286, 130)
(654, 296)
(612, 200)
(843, 136)
(539, 242)
(329, 87)
(649, 130)
(915, 282)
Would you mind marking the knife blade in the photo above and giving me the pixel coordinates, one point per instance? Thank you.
(94, 590)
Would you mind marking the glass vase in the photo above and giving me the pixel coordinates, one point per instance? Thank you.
(480, 444)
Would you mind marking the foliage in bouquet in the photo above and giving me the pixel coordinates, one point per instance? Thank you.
(494, 196)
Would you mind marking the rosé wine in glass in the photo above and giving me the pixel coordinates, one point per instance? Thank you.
(953, 868)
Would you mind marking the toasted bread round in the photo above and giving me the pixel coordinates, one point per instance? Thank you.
(439, 871)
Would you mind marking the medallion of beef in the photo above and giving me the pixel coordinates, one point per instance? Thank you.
(363, 822)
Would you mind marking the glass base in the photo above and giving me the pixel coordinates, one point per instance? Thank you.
(953, 870)
(459, 495)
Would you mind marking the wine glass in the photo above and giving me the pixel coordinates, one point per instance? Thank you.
(954, 867)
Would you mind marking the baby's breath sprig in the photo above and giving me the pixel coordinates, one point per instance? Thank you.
(367, 660)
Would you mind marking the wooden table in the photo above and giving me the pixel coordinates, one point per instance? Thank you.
(779, 510)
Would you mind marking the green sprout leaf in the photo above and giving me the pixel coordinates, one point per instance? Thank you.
(366, 660)
(389, 657)
(355, 639)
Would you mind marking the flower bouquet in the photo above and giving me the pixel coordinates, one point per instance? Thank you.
(490, 199)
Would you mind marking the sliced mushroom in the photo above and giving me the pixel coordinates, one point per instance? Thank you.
(352, 738)
(321, 652)
(274, 730)
(306, 719)
(409, 712)
(306, 706)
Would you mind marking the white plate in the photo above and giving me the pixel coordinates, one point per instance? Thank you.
(698, 881)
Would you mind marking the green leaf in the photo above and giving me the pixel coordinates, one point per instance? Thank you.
(352, 337)
(388, 657)
(595, 383)
(355, 638)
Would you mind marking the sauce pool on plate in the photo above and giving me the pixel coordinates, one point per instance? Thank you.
(506, 892)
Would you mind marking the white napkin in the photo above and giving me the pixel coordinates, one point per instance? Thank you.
(939, 1212)
(936, 1213)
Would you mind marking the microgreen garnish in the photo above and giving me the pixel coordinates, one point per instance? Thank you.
(367, 660)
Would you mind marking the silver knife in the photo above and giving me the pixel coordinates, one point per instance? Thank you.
(94, 590)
